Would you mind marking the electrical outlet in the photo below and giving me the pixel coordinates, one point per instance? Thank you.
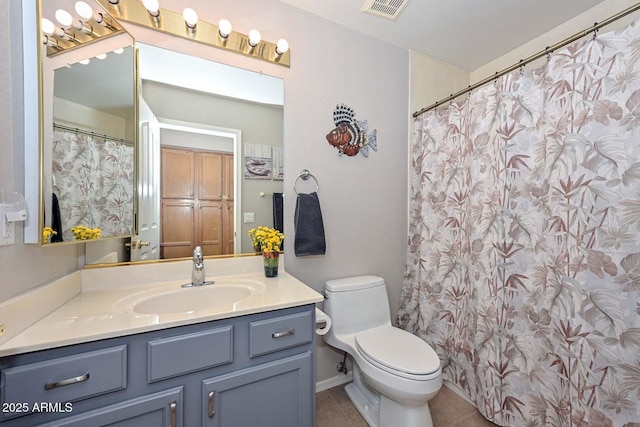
(7, 235)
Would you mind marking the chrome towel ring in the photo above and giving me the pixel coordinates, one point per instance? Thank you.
(305, 175)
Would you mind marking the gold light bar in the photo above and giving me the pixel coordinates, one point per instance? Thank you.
(169, 22)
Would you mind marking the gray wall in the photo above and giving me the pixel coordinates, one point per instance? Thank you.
(22, 267)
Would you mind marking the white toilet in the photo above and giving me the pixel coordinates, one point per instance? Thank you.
(395, 373)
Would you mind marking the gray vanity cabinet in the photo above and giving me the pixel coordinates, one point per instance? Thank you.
(254, 370)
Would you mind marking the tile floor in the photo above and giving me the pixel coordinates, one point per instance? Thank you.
(334, 409)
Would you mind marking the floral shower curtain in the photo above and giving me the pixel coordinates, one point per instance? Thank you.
(523, 266)
(95, 183)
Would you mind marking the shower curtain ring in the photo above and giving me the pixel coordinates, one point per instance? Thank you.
(595, 30)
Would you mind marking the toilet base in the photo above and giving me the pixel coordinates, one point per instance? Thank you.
(369, 410)
(380, 411)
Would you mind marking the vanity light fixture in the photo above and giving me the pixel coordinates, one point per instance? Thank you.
(49, 29)
(153, 7)
(84, 61)
(190, 19)
(85, 11)
(101, 56)
(74, 32)
(66, 20)
(119, 51)
(220, 36)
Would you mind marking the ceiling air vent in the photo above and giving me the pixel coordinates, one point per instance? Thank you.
(389, 9)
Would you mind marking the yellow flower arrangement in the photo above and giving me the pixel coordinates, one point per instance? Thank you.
(266, 239)
(47, 233)
(81, 232)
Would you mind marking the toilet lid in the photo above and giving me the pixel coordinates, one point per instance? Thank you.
(398, 350)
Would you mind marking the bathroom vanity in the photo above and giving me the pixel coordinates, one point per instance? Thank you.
(246, 363)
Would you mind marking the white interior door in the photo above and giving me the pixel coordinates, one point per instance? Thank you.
(146, 245)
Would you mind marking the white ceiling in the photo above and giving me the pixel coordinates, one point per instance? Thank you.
(464, 33)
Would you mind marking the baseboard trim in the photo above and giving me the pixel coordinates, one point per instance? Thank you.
(333, 382)
(457, 390)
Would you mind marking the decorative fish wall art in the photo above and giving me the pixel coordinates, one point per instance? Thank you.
(351, 136)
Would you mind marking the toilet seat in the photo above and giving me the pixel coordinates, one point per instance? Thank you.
(399, 352)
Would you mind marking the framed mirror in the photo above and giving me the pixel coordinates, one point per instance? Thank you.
(211, 158)
(88, 124)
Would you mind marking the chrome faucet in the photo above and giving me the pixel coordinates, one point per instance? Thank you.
(197, 275)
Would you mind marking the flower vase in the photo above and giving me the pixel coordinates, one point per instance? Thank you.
(270, 263)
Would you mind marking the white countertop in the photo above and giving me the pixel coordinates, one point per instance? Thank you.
(103, 306)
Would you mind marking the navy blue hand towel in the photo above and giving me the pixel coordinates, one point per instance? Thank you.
(309, 229)
(278, 206)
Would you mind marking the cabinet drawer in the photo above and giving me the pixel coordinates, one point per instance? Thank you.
(66, 379)
(282, 332)
(173, 356)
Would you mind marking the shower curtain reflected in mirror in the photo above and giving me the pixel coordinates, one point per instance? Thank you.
(94, 183)
(523, 266)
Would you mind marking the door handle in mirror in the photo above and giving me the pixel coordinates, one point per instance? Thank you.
(137, 244)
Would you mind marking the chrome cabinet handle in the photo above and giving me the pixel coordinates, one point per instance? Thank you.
(174, 407)
(74, 380)
(211, 411)
(283, 334)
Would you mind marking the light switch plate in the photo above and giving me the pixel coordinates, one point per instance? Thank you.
(249, 217)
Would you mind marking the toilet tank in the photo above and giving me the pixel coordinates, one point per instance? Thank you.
(356, 303)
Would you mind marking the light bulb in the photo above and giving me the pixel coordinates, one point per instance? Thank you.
(190, 17)
(282, 46)
(64, 18)
(47, 26)
(119, 51)
(224, 28)
(101, 56)
(84, 61)
(152, 6)
(254, 38)
(84, 10)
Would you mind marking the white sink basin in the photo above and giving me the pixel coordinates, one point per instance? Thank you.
(194, 299)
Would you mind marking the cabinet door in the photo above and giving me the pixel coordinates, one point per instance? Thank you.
(158, 409)
(178, 228)
(210, 227)
(210, 176)
(274, 394)
(178, 174)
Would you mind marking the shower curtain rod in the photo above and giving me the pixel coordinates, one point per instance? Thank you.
(549, 49)
(89, 133)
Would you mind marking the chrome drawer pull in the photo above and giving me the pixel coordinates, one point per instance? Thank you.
(173, 406)
(78, 379)
(283, 334)
(211, 411)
